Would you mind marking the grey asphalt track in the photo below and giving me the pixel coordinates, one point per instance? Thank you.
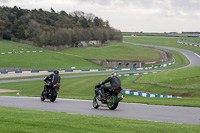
(188, 115)
(172, 114)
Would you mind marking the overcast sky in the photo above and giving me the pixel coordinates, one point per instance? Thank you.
(128, 15)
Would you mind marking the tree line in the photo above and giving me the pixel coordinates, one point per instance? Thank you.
(54, 28)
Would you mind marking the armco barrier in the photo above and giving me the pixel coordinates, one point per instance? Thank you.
(147, 94)
(191, 44)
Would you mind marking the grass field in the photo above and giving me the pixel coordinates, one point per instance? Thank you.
(21, 121)
(117, 51)
(65, 59)
(191, 40)
(10, 46)
(45, 61)
(188, 78)
(162, 41)
(181, 61)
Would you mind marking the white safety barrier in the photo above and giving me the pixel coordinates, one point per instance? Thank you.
(92, 70)
(147, 94)
(19, 52)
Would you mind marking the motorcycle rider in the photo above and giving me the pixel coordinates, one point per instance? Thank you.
(114, 81)
(53, 79)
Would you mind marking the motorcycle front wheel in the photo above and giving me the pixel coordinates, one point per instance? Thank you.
(112, 105)
(94, 103)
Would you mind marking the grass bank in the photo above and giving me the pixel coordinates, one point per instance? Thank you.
(10, 46)
(182, 81)
(45, 61)
(22, 120)
(117, 51)
(65, 59)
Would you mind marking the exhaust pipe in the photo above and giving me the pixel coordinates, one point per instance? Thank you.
(121, 98)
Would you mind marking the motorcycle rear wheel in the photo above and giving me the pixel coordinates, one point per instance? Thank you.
(53, 97)
(42, 98)
(114, 102)
(95, 104)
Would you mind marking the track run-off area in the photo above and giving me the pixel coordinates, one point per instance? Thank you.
(173, 114)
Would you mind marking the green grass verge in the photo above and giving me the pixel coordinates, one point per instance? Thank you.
(180, 80)
(23, 121)
(79, 88)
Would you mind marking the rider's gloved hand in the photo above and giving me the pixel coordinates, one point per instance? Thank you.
(97, 86)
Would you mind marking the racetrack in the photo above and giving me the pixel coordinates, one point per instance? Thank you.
(189, 115)
(192, 57)
(173, 114)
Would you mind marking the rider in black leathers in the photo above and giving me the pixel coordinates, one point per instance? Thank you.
(53, 79)
(114, 81)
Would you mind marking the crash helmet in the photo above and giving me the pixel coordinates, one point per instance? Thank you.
(56, 72)
(113, 74)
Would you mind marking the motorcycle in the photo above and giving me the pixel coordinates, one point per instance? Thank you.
(51, 92)
(111, 98)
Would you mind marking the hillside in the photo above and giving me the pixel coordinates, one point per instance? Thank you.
(66, 58)
(54, 28)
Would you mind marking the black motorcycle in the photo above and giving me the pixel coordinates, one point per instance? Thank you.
(51, 92)
(111, 98)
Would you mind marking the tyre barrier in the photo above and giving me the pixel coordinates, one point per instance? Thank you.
(191, 44)
(135, 93)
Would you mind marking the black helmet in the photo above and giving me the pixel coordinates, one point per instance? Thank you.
(56, 72)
